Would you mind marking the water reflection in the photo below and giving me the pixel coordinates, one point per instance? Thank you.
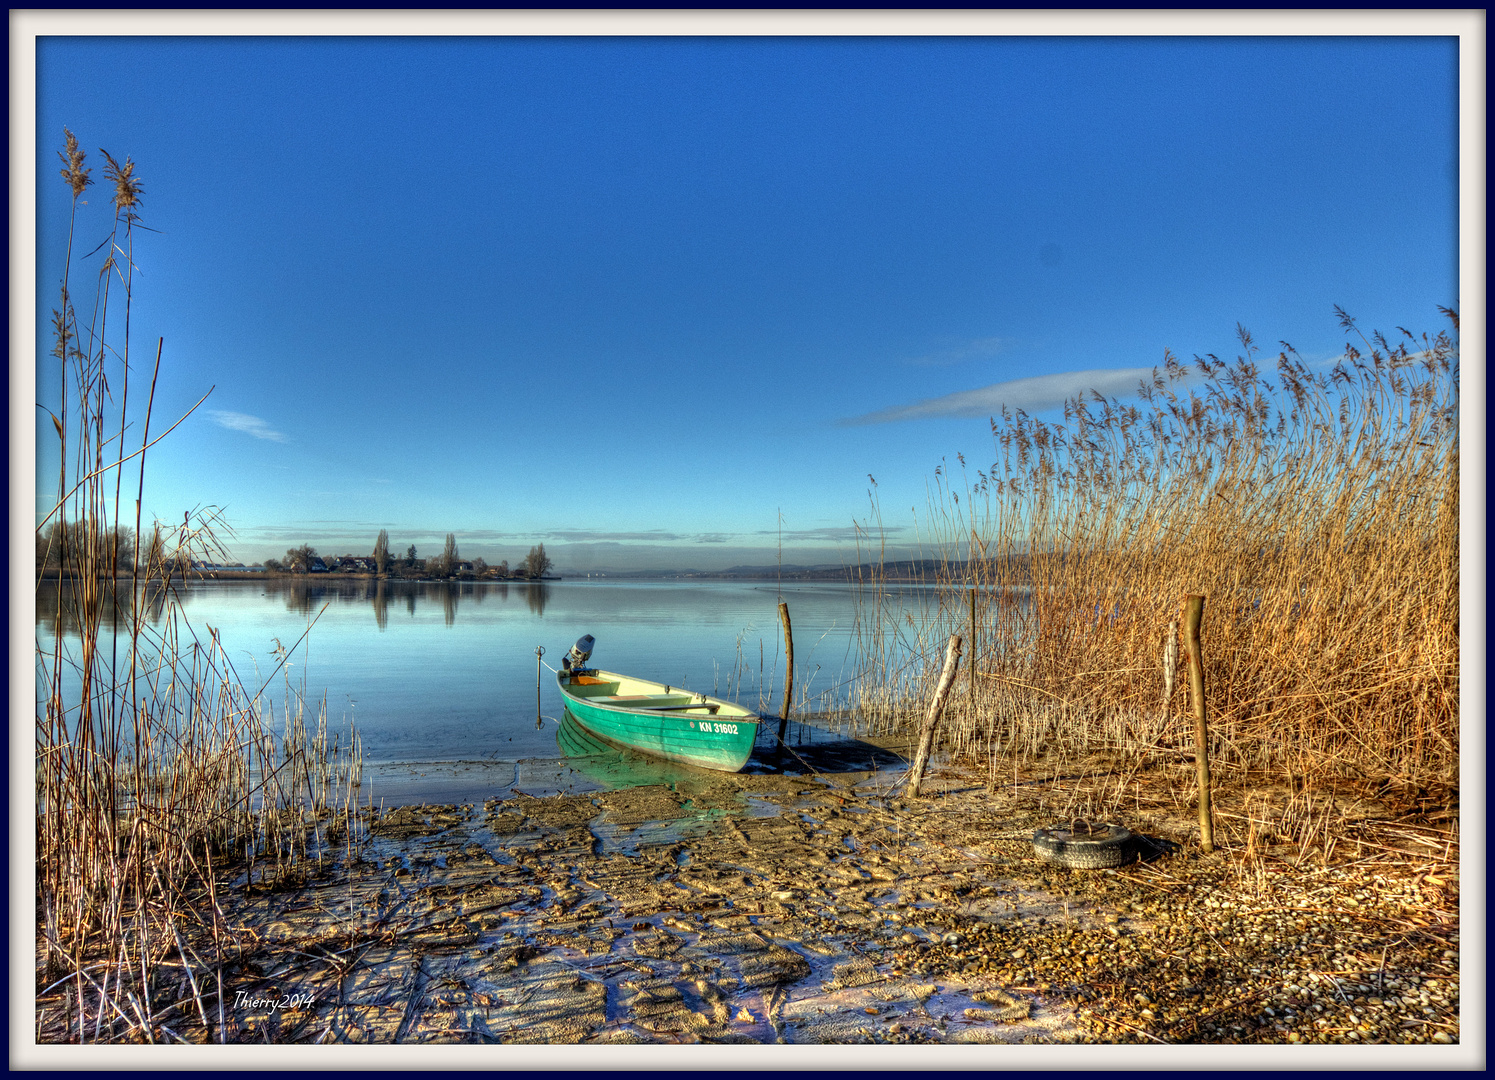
(611, 767)
(57, 604)
(444, 671)
(817, 751)
(307, 595)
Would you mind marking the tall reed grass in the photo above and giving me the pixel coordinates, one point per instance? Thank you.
(159, 776)
(1316, 508)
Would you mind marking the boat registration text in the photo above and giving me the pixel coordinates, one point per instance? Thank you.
(720, 729)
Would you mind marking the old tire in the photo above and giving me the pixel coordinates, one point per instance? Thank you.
(1084, 846)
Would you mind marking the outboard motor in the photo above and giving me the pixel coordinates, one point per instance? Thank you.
(579, 653)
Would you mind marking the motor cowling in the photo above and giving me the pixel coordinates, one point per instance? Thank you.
(581, 652)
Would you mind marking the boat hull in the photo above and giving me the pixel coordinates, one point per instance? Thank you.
(655, 719)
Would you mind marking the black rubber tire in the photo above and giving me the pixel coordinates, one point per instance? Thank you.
(1084, 846)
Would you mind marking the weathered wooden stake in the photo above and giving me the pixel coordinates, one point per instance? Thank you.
(932, 718)
(788, 676)
(1170, 662)
(1193, 616)
(971, 672)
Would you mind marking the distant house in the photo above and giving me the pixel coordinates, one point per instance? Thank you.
(356, 564)
(316, 566)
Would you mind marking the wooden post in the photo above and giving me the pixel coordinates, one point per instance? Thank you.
(539, 652)
(788, 676)
(971, 672)
(1170, 663)
(932, 718)
(1193, 616)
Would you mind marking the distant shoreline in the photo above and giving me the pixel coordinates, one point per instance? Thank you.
(927, 572)
(196, 577)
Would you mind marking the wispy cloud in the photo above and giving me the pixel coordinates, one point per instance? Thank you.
(979, 349)
(587, 536)
(835, 534)
(584, 550)
(571, 536)
(249, 425)
(1032, 395)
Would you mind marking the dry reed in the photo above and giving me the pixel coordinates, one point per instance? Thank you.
(1318, 513)
(159, 777)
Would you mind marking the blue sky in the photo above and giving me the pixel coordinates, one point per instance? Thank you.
(654, 301)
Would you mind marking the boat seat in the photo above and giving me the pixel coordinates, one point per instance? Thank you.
(659, 702)
(597, 688)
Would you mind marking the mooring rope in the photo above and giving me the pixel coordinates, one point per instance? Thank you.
(786, 746)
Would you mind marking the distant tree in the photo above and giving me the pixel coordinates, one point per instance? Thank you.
(118, 546)
(442, 565)
(381, 551)
(272, 566)
(410, 556)
(536, 563)
(299, 560)
(60, 544)
(503, 569)
(50, 544)
(64, 543)
(479, 566)
(154, 554)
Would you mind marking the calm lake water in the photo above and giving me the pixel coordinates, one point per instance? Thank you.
(446, 672)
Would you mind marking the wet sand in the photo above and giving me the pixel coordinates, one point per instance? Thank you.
(619, 900)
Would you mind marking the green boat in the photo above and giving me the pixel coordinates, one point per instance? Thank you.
(655, 718)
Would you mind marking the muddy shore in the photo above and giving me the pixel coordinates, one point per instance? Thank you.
(611, 900)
